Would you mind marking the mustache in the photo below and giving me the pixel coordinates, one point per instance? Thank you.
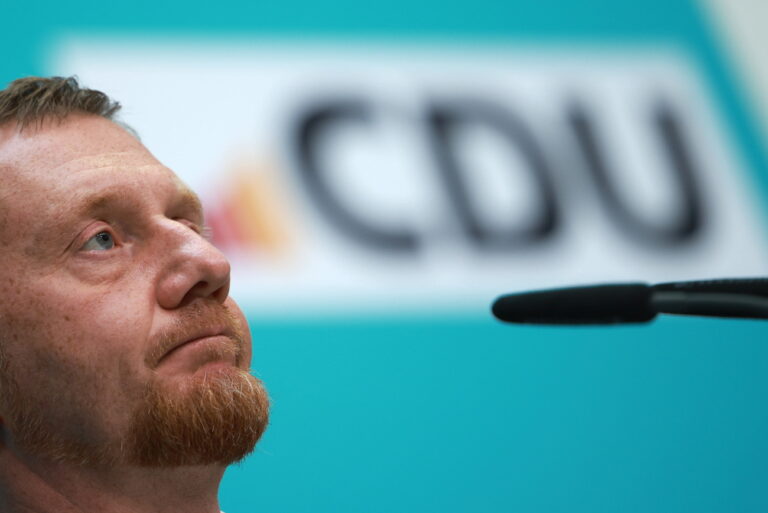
(191, 322)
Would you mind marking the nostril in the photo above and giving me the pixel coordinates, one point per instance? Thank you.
(205, 289)
(221, 293)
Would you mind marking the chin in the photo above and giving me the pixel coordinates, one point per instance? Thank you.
(217, 419)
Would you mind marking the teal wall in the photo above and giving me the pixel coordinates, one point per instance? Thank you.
(466, 415)
(473, 416)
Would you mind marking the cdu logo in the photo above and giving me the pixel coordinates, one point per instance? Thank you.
(442, 123)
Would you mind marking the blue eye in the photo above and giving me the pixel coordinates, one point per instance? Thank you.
(100, 242)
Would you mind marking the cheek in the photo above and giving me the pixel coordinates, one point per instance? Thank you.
(50, 332)
(72, 345)
(45, 361)
(55, 347)
(76, 359)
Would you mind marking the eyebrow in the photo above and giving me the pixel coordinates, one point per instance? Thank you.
(86, 205)
(90, 205)
(94, 204)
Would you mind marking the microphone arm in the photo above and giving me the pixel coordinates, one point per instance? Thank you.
(636, 302)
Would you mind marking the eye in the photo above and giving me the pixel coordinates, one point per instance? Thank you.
(102, 241)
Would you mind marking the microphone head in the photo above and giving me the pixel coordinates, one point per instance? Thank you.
(595, 304)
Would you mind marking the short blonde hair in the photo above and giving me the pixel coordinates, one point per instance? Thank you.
(33, 100)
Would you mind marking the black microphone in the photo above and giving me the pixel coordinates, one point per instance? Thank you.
(636, 302)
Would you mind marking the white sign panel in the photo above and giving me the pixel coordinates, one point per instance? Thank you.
(352, 178)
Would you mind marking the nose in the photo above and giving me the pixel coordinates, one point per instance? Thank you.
(192, 268)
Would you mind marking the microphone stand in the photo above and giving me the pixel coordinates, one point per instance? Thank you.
(636, 302)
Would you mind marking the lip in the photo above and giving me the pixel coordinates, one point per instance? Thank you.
(188, 342)
(199, 353)
(208, 334)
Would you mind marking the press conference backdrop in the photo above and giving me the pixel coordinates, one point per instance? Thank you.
(377, 174)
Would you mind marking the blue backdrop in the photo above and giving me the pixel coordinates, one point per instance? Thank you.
(463, 414)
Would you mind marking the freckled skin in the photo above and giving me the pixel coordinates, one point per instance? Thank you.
(76, 327)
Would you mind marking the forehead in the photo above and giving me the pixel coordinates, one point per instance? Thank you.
(48, 171)
(81, 153)
(56, 143)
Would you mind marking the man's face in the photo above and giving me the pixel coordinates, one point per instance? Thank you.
(116, 328)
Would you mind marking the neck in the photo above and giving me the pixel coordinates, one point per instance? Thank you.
(30, 485)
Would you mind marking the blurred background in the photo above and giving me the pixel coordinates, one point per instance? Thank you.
(379, 173)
